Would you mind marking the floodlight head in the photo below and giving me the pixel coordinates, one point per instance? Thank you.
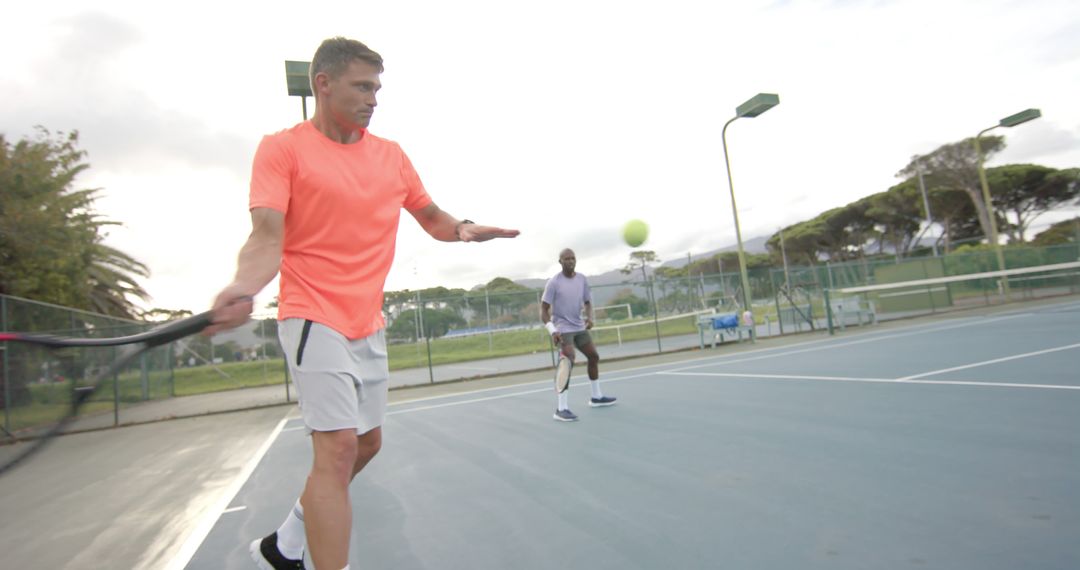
(757, 105)
(296, 78)
(1020, 118)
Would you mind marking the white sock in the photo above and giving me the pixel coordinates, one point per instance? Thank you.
(595, 386)
(563, 403)
(290, 536)
(346, 567)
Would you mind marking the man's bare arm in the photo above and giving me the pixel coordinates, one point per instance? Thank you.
(257, 264)
(545, 317)
(444, 227)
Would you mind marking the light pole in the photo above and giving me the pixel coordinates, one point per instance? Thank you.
(783, 255)
(298, 82)
(926, 206)
(1010, 121)
(755, 106)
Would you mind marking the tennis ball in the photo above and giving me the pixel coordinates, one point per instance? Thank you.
(635, 232)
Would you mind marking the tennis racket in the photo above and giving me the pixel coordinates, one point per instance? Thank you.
(134, 345)
(562, 374)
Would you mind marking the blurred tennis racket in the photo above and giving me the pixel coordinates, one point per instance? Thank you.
(134, 345)
(562, 374)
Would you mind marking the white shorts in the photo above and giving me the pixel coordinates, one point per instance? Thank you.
(341, 383)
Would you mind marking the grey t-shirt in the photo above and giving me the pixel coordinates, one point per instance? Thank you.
(567, 295)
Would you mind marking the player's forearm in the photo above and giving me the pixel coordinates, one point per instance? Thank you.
(257, 264)
(441, 226)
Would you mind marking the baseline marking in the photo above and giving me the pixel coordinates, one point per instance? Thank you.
(994, 361)
(873, 380)
(854, 342)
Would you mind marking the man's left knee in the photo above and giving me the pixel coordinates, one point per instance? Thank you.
(369, 444)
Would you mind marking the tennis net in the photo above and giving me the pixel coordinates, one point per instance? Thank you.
(872, 303)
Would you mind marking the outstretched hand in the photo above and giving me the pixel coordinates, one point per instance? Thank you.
(476, 232)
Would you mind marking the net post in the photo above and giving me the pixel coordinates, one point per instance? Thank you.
(779, 315)
(656, 318)
(828, 312)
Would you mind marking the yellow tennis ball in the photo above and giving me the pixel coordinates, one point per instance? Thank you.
(635, 232)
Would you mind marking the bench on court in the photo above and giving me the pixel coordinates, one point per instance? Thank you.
(852, 311)
(721, 325)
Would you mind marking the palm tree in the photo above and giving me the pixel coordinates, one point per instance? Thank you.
(51, 246)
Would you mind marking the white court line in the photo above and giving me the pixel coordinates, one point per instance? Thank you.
(195, 539)
(710, 360)
(511, 395)
(994, 361)
(213, 513)
(855, 342)
(234, 509)
(873, 380)
(830, 342)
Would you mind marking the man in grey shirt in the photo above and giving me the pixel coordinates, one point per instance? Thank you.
(565, 295)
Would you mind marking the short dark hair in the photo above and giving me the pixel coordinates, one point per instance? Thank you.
(335, 54)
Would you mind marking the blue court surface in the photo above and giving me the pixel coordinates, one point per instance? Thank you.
(946, 443)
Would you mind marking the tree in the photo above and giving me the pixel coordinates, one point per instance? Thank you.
(507, 297)
(836, 233)
(954, 211)
(437, 322)
(896, 216)
(1067, 231)
(638, 306)
(640, 259)
(1028, 191)
(51, 240)
(955, 165)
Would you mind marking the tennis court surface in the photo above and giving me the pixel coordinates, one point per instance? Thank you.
(940, 443)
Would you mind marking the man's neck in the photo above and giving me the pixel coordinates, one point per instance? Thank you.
(570, 274)
(335, 131)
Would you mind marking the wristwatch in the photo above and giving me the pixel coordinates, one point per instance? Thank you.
(457, 228)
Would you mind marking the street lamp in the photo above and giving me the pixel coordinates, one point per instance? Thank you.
(1010, 121)
(755, 106)
(926, 206)
(298, 82)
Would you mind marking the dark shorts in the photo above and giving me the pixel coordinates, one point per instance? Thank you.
(576, 339)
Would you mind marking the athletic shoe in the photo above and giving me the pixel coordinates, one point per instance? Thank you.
(266, 555)
(601, 402)
(565, 416)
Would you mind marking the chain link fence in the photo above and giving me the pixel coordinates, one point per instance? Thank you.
(431, 339)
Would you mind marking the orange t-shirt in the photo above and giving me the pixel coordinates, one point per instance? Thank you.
(342, 203)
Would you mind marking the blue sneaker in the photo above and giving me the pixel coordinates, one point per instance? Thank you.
(565, 416)
(601, 402)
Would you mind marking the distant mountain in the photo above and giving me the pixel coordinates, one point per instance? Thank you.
(613, 277)
(755, 245)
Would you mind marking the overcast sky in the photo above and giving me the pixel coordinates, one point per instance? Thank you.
(563, 119)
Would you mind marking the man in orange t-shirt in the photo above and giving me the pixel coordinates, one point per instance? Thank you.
(326, 197)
